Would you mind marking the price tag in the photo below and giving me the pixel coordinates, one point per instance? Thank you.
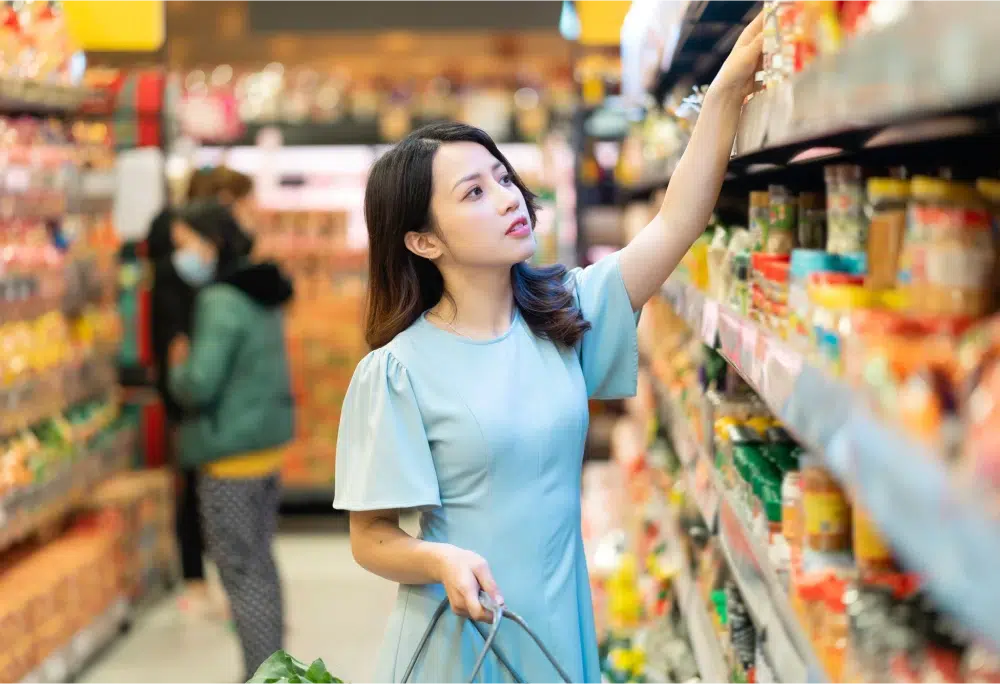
(710, 322)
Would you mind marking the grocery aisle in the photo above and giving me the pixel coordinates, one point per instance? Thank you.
(335, 610)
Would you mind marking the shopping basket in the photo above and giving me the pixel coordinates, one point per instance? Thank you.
(490, 637)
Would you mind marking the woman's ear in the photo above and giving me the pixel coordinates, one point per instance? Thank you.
(424, 244)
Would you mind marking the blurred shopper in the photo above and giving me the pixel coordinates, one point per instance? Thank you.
(236, 191)
(172, 307)
(473, 407)
(232, 379)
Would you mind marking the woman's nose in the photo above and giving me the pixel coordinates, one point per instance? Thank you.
(507, 200)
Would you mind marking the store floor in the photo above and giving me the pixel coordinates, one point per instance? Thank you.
(335, 610)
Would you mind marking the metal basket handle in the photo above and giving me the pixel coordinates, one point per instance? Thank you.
(498, 616)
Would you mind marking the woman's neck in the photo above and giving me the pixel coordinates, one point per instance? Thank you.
(478, 304)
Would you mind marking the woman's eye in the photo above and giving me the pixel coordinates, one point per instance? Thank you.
(506, 179)
(475, 191)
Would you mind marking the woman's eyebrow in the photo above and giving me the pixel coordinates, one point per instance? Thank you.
(473, 176)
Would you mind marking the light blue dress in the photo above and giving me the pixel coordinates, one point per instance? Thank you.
(486, 439)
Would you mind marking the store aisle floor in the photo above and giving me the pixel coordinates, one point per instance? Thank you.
(335, 610)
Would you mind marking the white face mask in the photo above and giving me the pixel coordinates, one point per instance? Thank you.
(192, 268)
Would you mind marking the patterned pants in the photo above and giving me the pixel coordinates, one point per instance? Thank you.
(241, 517)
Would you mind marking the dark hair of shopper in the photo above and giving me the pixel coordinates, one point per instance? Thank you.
(201, 185)
(402, 285)
(231, 185)
(215, 223)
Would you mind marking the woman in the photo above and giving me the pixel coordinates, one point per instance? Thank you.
(472, 409)
(235, 190)
(232, 380)
(172, 308)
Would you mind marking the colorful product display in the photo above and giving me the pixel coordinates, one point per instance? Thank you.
(865, 618)
(325, 338)
(51, 594)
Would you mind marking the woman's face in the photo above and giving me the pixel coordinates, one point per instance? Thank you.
(185, 237)
(480, 216)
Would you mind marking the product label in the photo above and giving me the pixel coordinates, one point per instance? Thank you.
(826, 514)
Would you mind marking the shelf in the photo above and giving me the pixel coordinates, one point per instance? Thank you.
(934, 62)
(68, 662)
(32, 97)
(941, 528)
(694, 608)
(29, 511)
(766, 594)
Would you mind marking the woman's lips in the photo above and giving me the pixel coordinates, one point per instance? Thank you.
(519, 229)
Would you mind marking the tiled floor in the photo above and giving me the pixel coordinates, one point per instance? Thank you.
(335, 610)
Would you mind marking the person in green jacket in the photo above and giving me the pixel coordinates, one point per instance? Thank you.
(233, 379)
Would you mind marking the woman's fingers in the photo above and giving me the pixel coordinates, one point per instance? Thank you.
(753, 29)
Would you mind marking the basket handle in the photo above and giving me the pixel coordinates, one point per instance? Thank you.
(498, 616)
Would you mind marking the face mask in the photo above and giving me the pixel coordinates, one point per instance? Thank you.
(192, 269)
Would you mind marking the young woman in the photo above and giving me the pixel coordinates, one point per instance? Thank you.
(232, 380)
(235, 190)
(472, 409)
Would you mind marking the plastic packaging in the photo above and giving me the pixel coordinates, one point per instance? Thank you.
(871, 552)
(832, 306)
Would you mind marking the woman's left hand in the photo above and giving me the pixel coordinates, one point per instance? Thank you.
(179, 349)
(736, 76)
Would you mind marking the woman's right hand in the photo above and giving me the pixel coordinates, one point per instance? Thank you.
(463, 574)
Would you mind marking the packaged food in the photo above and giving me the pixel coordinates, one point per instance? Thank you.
(871, 552)
(739, 288)
(812, 221)
(948, 259)
(827, 514)
(791, 508)
(760, 219)
(847, 229)
(782, 223)
(887, 200)
(832, 305)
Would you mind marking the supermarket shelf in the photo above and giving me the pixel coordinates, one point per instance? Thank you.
(941, 528)
(933, 62)
(32, 510)
(69, 662)
(766, 593)
(704, 639)
(32, 97)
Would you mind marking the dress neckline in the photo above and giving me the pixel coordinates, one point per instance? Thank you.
(466, 340)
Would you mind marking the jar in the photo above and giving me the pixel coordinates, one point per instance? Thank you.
(804, 262)
(887, 200)
(812, 221)
(827, 519)
(760, 217)
(791, 508)
(947, 261)
(847, 229)
(782, 223)
(832, 306)
(871, 552)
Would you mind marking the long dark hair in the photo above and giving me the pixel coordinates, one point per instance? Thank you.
(402, 285)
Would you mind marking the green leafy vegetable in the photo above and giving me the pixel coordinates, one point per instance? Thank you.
(281, 668)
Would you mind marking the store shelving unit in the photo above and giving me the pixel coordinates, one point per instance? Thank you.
(940, 527)
(764, 590)
(33, 97)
